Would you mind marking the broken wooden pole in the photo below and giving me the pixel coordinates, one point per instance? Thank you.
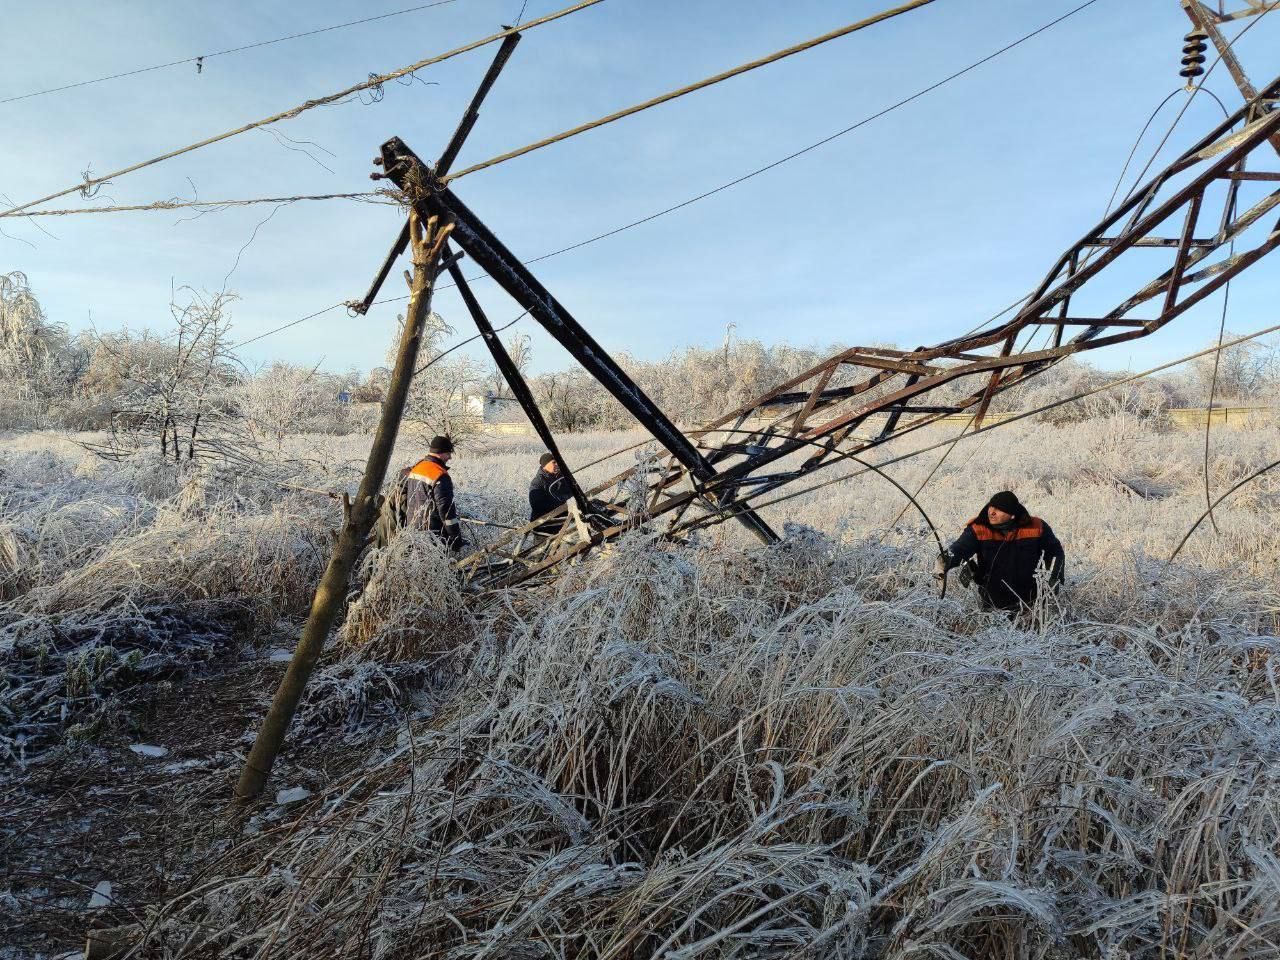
(358, 521)
(111, 943)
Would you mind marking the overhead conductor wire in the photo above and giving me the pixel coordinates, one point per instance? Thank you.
(199, 60)
(375, 80)
(779, 162)
(708, 193)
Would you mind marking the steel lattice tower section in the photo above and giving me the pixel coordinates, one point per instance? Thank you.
(1208, 212)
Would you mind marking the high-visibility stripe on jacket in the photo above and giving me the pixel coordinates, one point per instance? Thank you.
(1007, 560)
(429, 500)
(1034, 528)
(428, 471)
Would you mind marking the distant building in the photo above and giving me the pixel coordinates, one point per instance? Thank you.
(499, 414)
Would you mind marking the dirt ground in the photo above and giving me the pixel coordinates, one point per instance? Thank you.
(88, 814)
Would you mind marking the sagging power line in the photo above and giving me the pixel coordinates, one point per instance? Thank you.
(367, 196)
(169, 205)
(375, 80)
(808, 148)
(200, 60)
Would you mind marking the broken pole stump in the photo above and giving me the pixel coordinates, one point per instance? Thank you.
(110, 943)
(427, 242)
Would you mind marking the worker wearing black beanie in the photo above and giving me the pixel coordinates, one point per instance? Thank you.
(547, 492)
(1001, 549)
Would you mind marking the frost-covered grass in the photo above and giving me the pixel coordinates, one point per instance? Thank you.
(802, 751)
(1111, 487)
(116, 574)
(718, 750)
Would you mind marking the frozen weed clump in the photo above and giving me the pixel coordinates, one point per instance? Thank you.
(411, 606)
(115, 574)
(357, 696)
(406, 635)
(700, 751)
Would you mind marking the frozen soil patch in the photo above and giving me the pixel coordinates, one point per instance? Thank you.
(141, 820)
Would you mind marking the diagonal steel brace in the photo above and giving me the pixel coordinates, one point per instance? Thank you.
(433, 198)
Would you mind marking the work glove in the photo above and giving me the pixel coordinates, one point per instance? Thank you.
(941, 566)
(966, 574)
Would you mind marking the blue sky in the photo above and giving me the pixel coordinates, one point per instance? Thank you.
(909, 230)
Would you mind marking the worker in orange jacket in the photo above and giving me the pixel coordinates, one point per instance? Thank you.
(423, 498)
(1001, 549)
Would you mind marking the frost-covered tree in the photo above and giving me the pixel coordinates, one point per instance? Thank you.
(1244, 373)
(175, 390)
(39, 362)
(283, 399)
(521, 353)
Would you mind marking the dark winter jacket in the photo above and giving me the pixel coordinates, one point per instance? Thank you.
(547, 491)
(428, 501)
(1006, 560)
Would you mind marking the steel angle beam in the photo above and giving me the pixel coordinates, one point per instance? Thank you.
(446, 161)
(433, 198)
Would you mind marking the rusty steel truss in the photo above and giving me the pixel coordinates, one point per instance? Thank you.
(1175, 241)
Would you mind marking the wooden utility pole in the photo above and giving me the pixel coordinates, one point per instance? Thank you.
(426, 242)
(426, 238)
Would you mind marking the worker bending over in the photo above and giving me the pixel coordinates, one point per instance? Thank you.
(1000, 551)
(548, 490)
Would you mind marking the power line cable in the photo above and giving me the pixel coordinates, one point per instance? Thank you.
(199, 60)
(725, 186)
(462, 343)
(375, 80)
(368, 196)
(167, 205)
(791, 156)
(694, 87)
(292, 323)
(800, 152)
(1134, 150)
(1209, 511)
